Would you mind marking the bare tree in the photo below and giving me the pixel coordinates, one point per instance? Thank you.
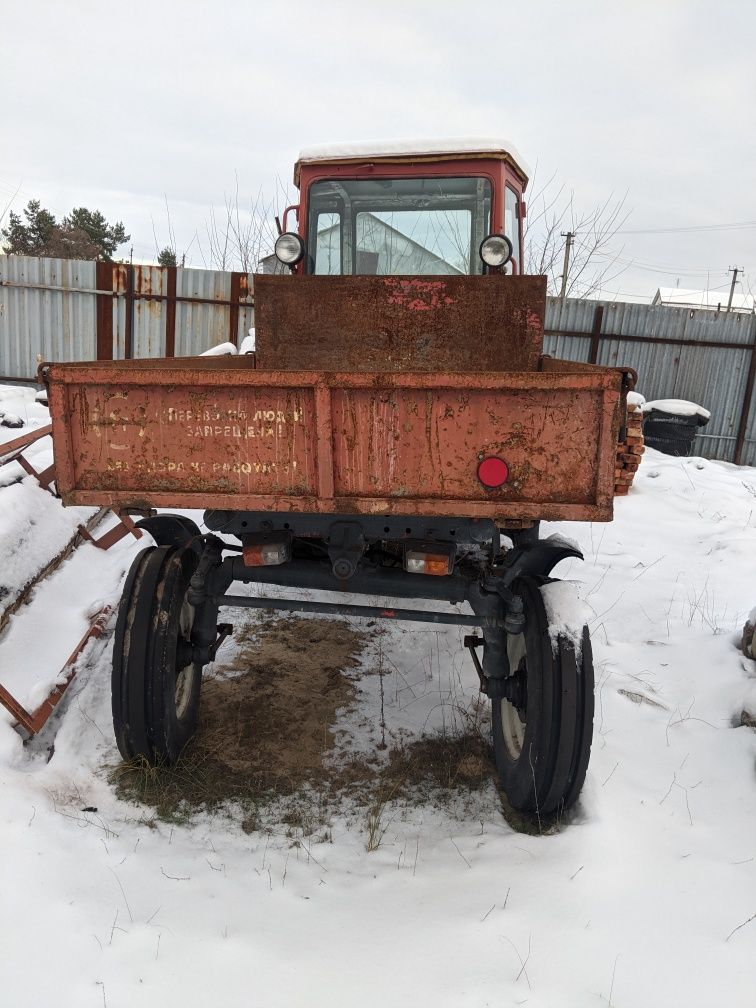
(594, 262)
(239, 237)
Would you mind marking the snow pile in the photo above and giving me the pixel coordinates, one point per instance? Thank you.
(18, 402)
(677, 407)
(221, 350)
(635, 399)
(34, 528)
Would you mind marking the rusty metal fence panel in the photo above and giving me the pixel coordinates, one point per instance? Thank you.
(139, 312)
(67, 310)
(199, 322)
(679, 353)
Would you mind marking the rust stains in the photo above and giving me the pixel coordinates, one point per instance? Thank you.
(417, 295)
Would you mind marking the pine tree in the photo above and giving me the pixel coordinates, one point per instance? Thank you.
(106, 237)
(167, 257)
(83, 234)
(31, 237)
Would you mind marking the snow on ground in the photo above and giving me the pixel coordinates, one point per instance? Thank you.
(634, 902)
(34, 528)
(19, 401)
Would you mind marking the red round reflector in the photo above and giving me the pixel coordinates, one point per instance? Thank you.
(493, 472)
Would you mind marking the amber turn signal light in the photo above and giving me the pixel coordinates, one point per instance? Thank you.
(266, 550)
(438, 562)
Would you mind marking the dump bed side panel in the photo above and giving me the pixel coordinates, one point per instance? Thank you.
(165, 436)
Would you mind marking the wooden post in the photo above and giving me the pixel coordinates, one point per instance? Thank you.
(104, 275)
(170, 312)
(598, 318)
(233, 321)
(745, 410)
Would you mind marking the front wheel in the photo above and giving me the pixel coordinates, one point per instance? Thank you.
(155, 684)
(542, 746)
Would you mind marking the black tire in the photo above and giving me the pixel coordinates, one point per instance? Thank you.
(670, 431)
(669, 446)
(155, 702)
(542, 761)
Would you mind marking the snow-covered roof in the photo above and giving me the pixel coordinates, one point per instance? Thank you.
(412, 148)
(687, 298)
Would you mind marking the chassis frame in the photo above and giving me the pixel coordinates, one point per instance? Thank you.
(483, 579)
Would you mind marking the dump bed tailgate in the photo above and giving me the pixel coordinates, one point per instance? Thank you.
(219, 434)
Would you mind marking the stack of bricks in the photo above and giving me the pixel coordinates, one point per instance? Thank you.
(629, 452)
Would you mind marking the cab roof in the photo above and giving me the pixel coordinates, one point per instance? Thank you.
(404, 151)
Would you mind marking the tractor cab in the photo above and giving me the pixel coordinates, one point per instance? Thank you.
(451, 208)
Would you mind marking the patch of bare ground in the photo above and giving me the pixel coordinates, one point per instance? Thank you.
(267, 745)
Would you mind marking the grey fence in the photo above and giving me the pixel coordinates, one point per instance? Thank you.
(705, 356)
(64, 309)
(61, 309)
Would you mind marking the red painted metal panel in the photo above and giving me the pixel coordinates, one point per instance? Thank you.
(157, 434)
(398, 323)
(179, 438)
(427, 443)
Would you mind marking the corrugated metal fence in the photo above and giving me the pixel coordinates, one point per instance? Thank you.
(63, 309)
(705, 356)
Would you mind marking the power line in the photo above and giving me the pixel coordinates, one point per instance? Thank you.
(662, 267)
(738, 225)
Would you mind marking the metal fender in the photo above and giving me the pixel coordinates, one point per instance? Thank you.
(172, 530)
(539, 559)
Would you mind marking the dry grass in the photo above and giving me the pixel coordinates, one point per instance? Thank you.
(266, 751)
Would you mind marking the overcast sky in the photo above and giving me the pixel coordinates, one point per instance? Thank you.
(122, 106)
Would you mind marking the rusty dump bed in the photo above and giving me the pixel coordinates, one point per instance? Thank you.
(367, 395)
(217, 433)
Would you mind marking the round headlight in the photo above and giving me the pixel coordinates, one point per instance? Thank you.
(496, 249)
(289, 248)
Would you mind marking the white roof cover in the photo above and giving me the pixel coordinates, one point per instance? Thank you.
(406, 148)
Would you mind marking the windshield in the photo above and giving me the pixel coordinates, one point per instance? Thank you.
(393, 226)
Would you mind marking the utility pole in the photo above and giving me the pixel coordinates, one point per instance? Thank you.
(734, 270)
(569, 236)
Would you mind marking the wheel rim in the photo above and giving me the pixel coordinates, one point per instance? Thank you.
(185, 674)
(512, 725)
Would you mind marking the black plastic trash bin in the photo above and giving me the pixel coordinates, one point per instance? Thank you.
(670, 425)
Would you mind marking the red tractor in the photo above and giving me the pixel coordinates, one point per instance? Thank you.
(397, 419)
